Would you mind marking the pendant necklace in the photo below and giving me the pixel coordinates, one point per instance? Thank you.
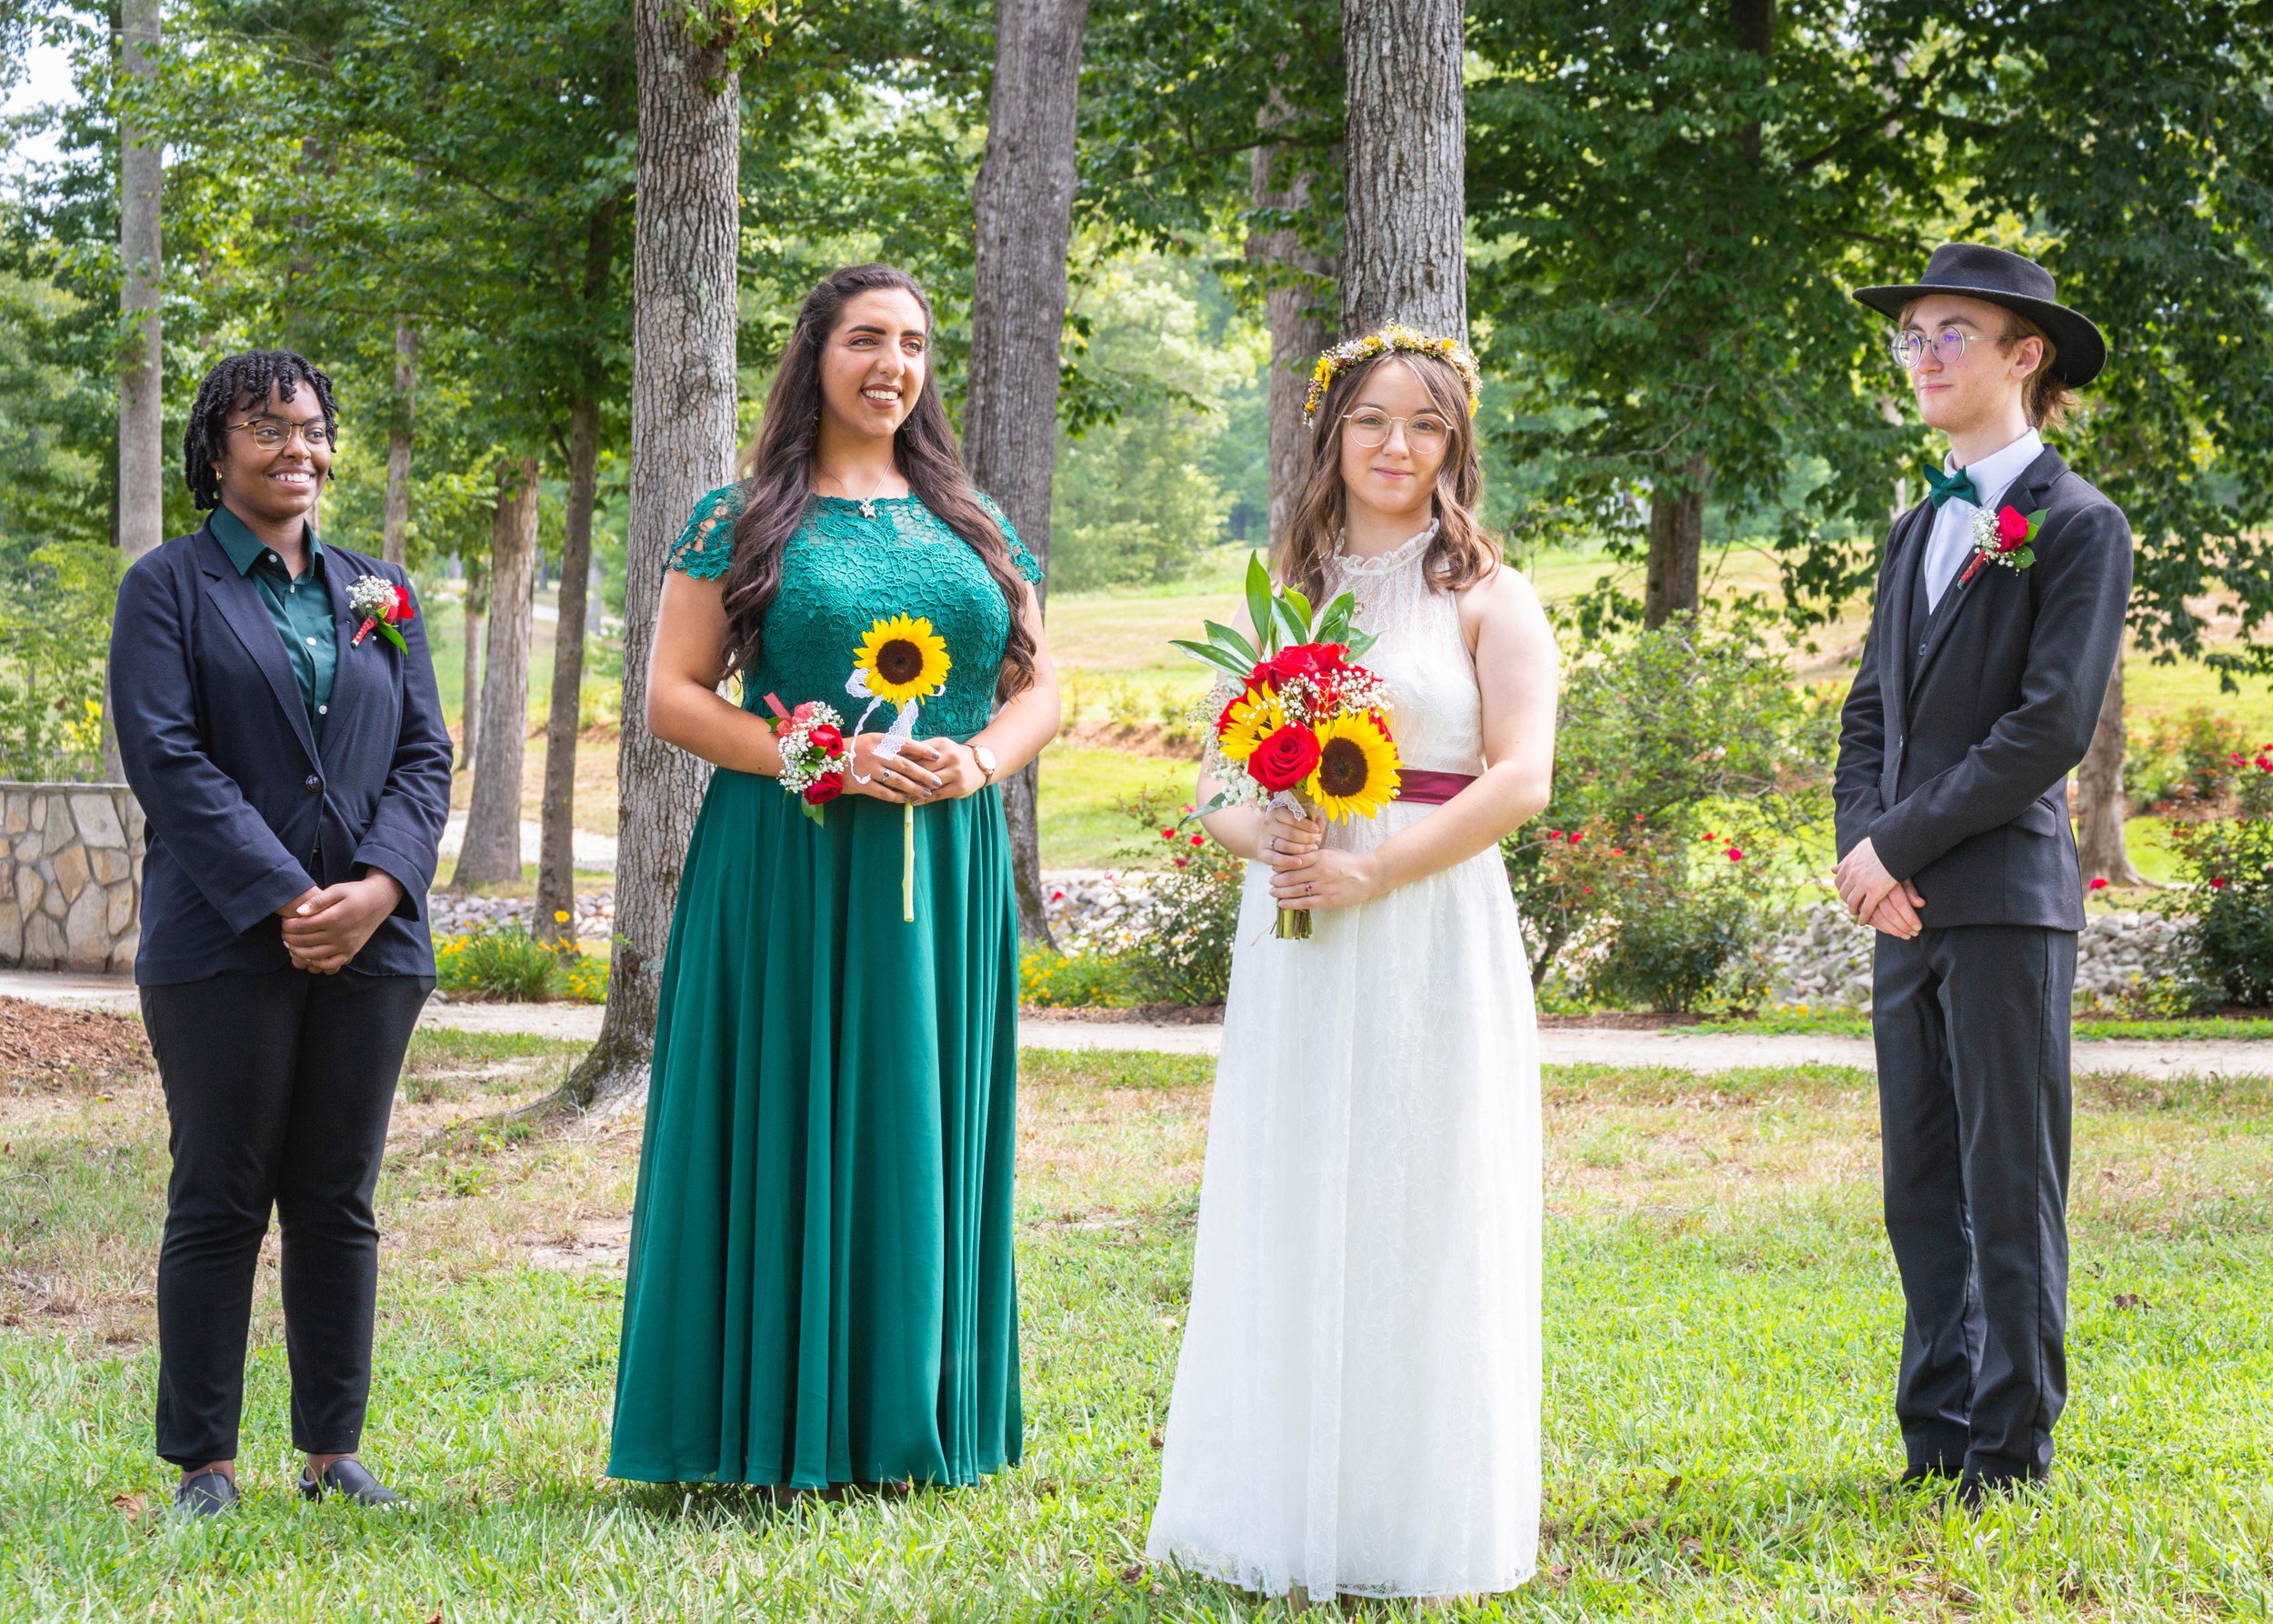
(867, 504)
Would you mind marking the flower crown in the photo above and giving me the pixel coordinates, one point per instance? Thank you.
(1350, 351)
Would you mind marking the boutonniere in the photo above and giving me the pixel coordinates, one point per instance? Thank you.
(383, 605)
(2002, 537)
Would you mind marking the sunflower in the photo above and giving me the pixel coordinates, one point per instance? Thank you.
(905, 659)
(1356, 772)
(1247, 721)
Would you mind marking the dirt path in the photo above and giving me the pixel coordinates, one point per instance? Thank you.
(1565, 1045)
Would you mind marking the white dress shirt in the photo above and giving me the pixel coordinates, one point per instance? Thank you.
(1950, 543)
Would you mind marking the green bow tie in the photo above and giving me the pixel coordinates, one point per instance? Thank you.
(1944, 487)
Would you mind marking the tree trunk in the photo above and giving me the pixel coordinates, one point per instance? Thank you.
(141, 175)
(469, 708)
(686, 229)
(2100, 849)
(1404, 258)
(395, 528)
(1023, 219)
(491, 854)
(555, 861)
(1676, 547)
(1298, 280)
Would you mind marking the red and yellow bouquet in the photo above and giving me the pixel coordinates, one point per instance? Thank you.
(1303, 725)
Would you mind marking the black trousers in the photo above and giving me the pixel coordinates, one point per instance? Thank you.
(1974, 1103)
(278, 1088)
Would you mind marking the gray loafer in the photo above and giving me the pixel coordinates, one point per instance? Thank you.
(205, 1494)
(350, 1479)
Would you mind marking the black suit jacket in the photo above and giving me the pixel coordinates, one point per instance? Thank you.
(1953, 764)
(244, 811)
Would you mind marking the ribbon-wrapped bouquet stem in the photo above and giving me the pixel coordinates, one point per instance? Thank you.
(1301, 725)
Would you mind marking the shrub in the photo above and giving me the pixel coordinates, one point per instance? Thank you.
(1689, 768)
(1051, 980)
(1185, 954)
(2229, 861)
(2185, 767)
(583, 979)
(506, 962)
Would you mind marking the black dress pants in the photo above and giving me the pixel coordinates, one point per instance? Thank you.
(1972, 1029)
(278, 1088)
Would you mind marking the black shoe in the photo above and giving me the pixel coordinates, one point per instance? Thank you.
(205, 1494)
(1928, 1474)
(1976, 1488)
(348, 1477)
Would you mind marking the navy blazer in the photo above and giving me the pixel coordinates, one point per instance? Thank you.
(1955, 764)
(244, 811)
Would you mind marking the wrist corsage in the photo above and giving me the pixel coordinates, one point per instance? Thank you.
(2002, 537)
(814, 755)
(382, 605)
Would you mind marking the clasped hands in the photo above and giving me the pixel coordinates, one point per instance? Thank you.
(1307, 873)
(926, 769)
(1875, 896)
(325, 927)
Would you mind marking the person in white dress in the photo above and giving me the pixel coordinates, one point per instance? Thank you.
(1357, 1402)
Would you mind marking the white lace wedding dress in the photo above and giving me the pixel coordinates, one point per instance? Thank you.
(1356, 1403)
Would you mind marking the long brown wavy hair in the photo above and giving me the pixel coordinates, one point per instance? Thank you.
(777, 483)
(1461, 554)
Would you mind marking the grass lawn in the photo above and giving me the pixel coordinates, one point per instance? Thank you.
(1082, 790)
(1722, 1327)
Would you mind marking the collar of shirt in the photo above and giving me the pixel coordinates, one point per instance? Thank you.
(244, 548)
(1993, 475)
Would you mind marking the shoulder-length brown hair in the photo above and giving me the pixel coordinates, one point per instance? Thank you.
(1461, 554)
(778, 484)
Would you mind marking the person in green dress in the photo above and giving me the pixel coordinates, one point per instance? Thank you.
(821, 1289)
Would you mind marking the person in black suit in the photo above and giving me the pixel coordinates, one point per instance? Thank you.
(294, 778)
(1989, 654)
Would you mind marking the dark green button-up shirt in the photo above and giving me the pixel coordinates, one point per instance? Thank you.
(301, 608)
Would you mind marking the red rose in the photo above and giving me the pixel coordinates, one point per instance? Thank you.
(2012, 528)
(1199, 840)
(1735, 855)
(2218, 882)
(404, 608)
(1286, 758)
(829, 738)
(2100, 884)
(1307, 659)
(1168, 834)
(826, 788)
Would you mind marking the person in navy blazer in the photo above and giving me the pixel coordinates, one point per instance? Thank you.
(294, 776)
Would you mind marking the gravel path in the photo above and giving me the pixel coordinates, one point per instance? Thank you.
(1565, 1045)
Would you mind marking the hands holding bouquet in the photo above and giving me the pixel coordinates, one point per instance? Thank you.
(1304, 736)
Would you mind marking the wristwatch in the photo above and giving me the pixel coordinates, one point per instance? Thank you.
(986, 760)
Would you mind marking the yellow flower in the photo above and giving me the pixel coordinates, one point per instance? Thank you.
(1356, 772)
(905, 659)
(560, 916)
(1251, 718)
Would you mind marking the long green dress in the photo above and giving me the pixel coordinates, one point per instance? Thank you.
(820, 1287)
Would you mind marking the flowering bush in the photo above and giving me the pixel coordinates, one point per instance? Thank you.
(1689, 767)
(1184, 956)
(2187, 767)
(1051, 980)
(504, 962)
(2229, 861)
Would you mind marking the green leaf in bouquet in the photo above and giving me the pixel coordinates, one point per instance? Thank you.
(1222, 659)
(1259, 606)
(1359, 642)
(1294, 608)
(1334, 624)
(1227, 639)
(2024, 559)
(1221, 800)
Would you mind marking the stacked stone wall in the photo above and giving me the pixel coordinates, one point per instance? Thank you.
(70, 876)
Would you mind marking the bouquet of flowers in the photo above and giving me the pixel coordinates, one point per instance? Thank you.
(1301, 725)
(815, 756)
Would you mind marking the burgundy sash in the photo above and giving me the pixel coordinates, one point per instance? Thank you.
(1423, 788)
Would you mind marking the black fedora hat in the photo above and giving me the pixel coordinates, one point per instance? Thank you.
(1980, 272)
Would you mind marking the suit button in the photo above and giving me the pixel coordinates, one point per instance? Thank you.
(1921, 651)
(1897, 741)
(314, 782)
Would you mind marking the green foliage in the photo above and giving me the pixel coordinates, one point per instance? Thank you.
(2229, 862)
(2185, 766)
(54, 640)
(1185, 954)
(1050, 980)
(1689, 767)
(504, 962)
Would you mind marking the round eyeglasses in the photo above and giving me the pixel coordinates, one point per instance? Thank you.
(1909, 346)
(1425, 432)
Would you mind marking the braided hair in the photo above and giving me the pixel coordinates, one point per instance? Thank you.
(255, 374)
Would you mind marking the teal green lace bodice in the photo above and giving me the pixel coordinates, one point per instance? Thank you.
(841, 573)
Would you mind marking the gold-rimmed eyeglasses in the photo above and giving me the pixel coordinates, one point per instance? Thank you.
(270, 435)
(1425, 432)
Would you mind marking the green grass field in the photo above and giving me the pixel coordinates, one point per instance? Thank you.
(1722, 1325)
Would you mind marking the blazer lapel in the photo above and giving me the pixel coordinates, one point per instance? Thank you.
(1894, 662)
(240, 604)
(2026, 492)
(350, 676)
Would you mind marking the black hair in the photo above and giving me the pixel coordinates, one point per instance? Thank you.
(254, 373)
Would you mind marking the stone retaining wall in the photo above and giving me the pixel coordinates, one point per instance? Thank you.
(70, 876)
